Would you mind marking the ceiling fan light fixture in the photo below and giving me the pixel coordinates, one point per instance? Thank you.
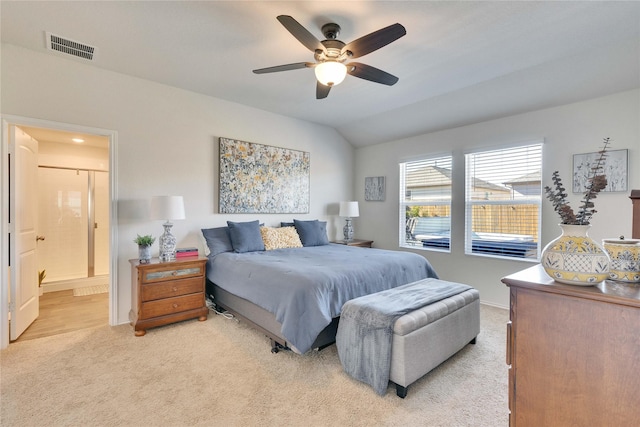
(331, 73)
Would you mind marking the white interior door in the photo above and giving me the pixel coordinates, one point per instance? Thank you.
(24, 298)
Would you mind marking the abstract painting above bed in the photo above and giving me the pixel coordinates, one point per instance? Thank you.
(305, 288)
(256, 178)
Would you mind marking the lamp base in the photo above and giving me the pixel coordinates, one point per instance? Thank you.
(348, 231)
(167, 243)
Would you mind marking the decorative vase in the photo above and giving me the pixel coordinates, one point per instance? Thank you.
(625, 259)
(574, 258)
(144, 254)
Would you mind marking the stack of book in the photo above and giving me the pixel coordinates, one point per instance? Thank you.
(186, 252)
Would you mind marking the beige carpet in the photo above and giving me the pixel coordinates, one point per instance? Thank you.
(222, 372)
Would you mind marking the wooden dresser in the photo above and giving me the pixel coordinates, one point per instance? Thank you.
(573, 351)
(167, 292)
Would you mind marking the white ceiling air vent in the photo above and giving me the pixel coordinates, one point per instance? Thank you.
(70, 47)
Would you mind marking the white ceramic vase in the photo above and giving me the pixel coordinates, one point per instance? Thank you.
(574, 258)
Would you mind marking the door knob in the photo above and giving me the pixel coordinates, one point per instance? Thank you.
(39, 238)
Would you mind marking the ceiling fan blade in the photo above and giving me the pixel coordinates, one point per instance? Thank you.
(286, 67)
(322, 91)
(375, 40)
(301, 33)
(370, 73)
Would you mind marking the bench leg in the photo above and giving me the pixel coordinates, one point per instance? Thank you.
(401, 391)
(473, 341)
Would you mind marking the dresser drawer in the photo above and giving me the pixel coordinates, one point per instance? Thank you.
(163, 274)
(167, 306)
(150, 292)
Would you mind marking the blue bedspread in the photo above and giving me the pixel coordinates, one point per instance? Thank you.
(306, 287)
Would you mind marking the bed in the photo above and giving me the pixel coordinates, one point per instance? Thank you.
(295, 294)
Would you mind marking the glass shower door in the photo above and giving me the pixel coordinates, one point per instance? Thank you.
(63, 221)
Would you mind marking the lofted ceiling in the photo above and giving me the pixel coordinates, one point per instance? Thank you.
(460, 62)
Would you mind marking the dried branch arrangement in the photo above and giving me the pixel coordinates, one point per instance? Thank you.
(596, 183)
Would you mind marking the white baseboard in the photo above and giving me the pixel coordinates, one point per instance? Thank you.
(490, 304)
(64, 285)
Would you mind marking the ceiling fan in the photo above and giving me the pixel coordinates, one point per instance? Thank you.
(331, 54)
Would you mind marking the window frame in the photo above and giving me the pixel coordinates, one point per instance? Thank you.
(403, 242)
(493, 250)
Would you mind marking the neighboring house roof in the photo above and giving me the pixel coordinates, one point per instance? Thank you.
(436, 176)
(433, 175)
(531, 178)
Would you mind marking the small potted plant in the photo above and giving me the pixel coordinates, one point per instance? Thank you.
(144, 247)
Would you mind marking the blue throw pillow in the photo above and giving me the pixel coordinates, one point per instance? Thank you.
(245, 236)
(218, 240)
(312, 233)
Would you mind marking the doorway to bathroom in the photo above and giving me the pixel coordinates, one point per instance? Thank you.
(73, 231)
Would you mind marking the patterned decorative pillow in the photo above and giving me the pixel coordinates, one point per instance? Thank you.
(279, 238)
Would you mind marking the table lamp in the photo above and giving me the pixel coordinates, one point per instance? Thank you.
(348, 210)
(168, 208)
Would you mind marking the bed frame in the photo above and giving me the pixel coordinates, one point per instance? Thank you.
(262, 320)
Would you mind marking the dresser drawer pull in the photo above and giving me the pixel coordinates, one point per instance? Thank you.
(175, 289)
(175, 305)
(174, 273)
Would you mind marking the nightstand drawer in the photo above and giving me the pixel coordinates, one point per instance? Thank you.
(162, 273)
(171, 305)
(175, 288)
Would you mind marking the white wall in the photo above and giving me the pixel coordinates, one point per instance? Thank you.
(566, 130)
(167, 144)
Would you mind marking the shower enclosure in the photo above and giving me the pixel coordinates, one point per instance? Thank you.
(73, 227)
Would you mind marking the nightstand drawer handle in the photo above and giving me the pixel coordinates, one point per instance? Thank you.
(175, 289)
(175, 305)
(174, 273)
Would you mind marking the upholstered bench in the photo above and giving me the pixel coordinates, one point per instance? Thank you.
(421, 339)
(426, 337)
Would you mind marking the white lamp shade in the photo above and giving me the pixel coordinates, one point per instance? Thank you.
(167, 207)
(331, 73)
(349, 209)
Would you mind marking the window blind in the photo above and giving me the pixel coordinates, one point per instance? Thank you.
(502, 202)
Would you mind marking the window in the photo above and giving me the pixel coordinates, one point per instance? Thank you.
(503, 199)
(425, 203)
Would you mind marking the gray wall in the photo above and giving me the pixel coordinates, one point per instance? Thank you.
(167, 141)
(566, 130)
(167, 144)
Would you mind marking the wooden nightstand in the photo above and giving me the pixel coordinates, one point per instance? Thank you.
(166, 292)
(356, 242)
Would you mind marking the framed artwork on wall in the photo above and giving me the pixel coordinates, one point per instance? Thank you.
(374, 188)
(257, 178)
(615, 169)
